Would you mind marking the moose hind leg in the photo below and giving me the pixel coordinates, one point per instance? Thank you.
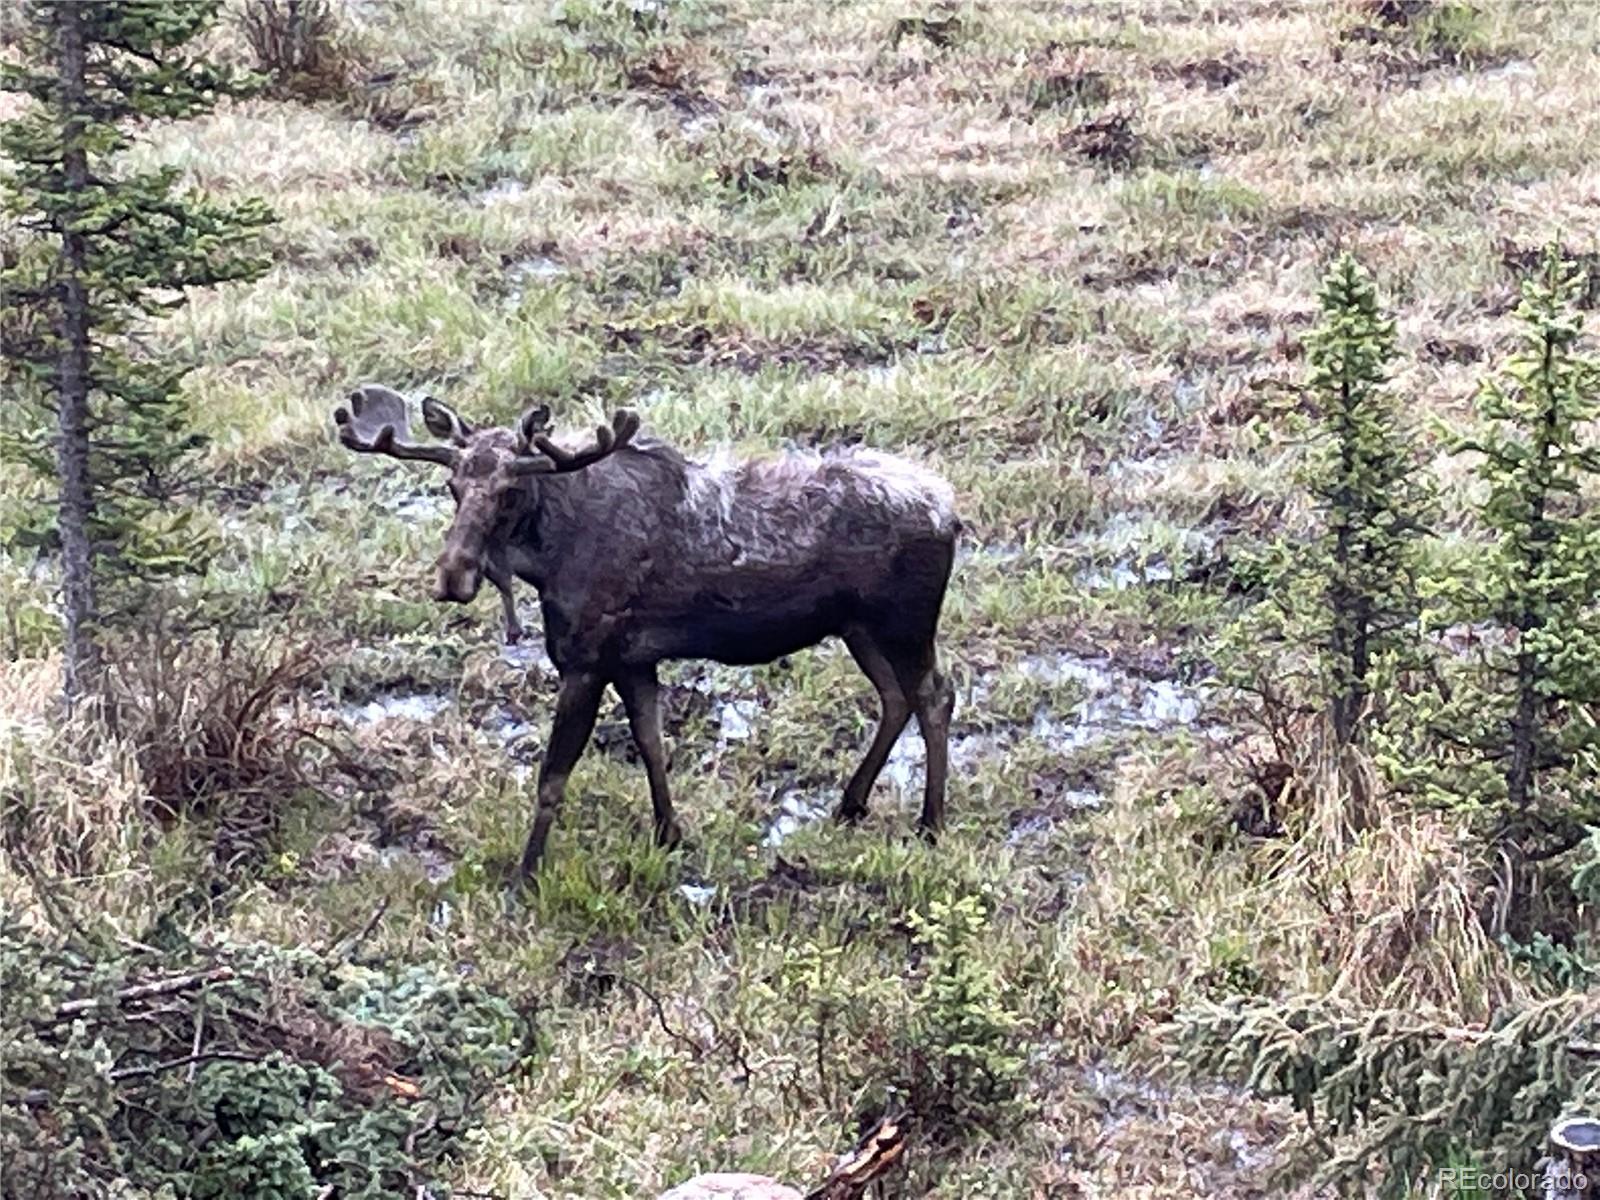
(641, 697)
(576, 708)
(896, 712)
(935, 701)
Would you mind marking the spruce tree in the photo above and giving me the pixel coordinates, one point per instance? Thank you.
(107, 248)
(1340, 601)
(1363, 477)
(1517, 727)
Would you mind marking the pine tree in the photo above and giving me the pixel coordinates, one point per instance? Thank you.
(1517, 726)
(107, 249)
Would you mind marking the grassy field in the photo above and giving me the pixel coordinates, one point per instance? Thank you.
(1061, 252)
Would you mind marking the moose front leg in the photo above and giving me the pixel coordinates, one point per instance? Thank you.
(576, 708)
(641, 697)
(501, 579)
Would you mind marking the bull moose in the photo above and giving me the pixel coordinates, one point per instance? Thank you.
(640, 554)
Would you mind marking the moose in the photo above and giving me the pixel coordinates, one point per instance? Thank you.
(640, 554)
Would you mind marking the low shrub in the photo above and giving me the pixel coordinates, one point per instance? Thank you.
(1403, 1092)
(301, 45)
(237, 1070)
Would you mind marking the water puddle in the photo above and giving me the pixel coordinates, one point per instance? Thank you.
(516, 736)
(279, 509)
(734, 711)
(736, 720)
(527, 272)
(1119, 1090)
(1125, 574)
(405, 706)
(1515, 71)
(1039, 823)
(1129, 551)
(529, 654)
(502, 191)
(1112, 697)
(1114, 702)
(795, 811)
(1150, 466)
(348, 851)
(435, 865)
(990, 554)
(420, 506)
(1241, 1138)
(1188, 393)
(697, 127)
(906, 766)
(1167, 702)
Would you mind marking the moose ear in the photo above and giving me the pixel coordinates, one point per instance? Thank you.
(534, 421)
(443, 421)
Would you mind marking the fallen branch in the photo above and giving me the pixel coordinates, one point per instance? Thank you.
(881, 1149)
(173, 1064)
(141, 991)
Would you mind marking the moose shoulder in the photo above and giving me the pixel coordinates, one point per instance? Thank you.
(640, 554)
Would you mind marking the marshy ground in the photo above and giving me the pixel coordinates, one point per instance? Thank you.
(1063, 253)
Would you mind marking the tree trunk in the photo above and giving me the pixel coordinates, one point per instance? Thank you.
(1524, 724)
(81, 671)
(1346, 632)
(1525, 721)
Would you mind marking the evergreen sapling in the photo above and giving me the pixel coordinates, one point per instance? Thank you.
(1515, 728)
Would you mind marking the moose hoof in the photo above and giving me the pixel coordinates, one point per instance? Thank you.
(517, 888)
(522, 879)
(513, 636)
(849, 813)
(669, 834)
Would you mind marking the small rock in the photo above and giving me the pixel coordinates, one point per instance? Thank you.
(731, 1186)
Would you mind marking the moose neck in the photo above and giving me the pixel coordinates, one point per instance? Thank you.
(526, 538)
(562, 524)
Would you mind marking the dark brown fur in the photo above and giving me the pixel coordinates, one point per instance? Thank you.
(640, 555)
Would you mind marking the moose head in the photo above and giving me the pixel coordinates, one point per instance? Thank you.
(491, 469)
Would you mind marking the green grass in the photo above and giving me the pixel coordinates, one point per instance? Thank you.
(761, 222)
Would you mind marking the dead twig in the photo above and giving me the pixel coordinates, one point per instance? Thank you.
(695, 1047)
(719, 1040)
(199, 1033)
(347, 951)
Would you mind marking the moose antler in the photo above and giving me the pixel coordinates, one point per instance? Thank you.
(372, 421)
(607, 440)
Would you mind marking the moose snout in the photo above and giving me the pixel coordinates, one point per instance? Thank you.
(456, 578)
